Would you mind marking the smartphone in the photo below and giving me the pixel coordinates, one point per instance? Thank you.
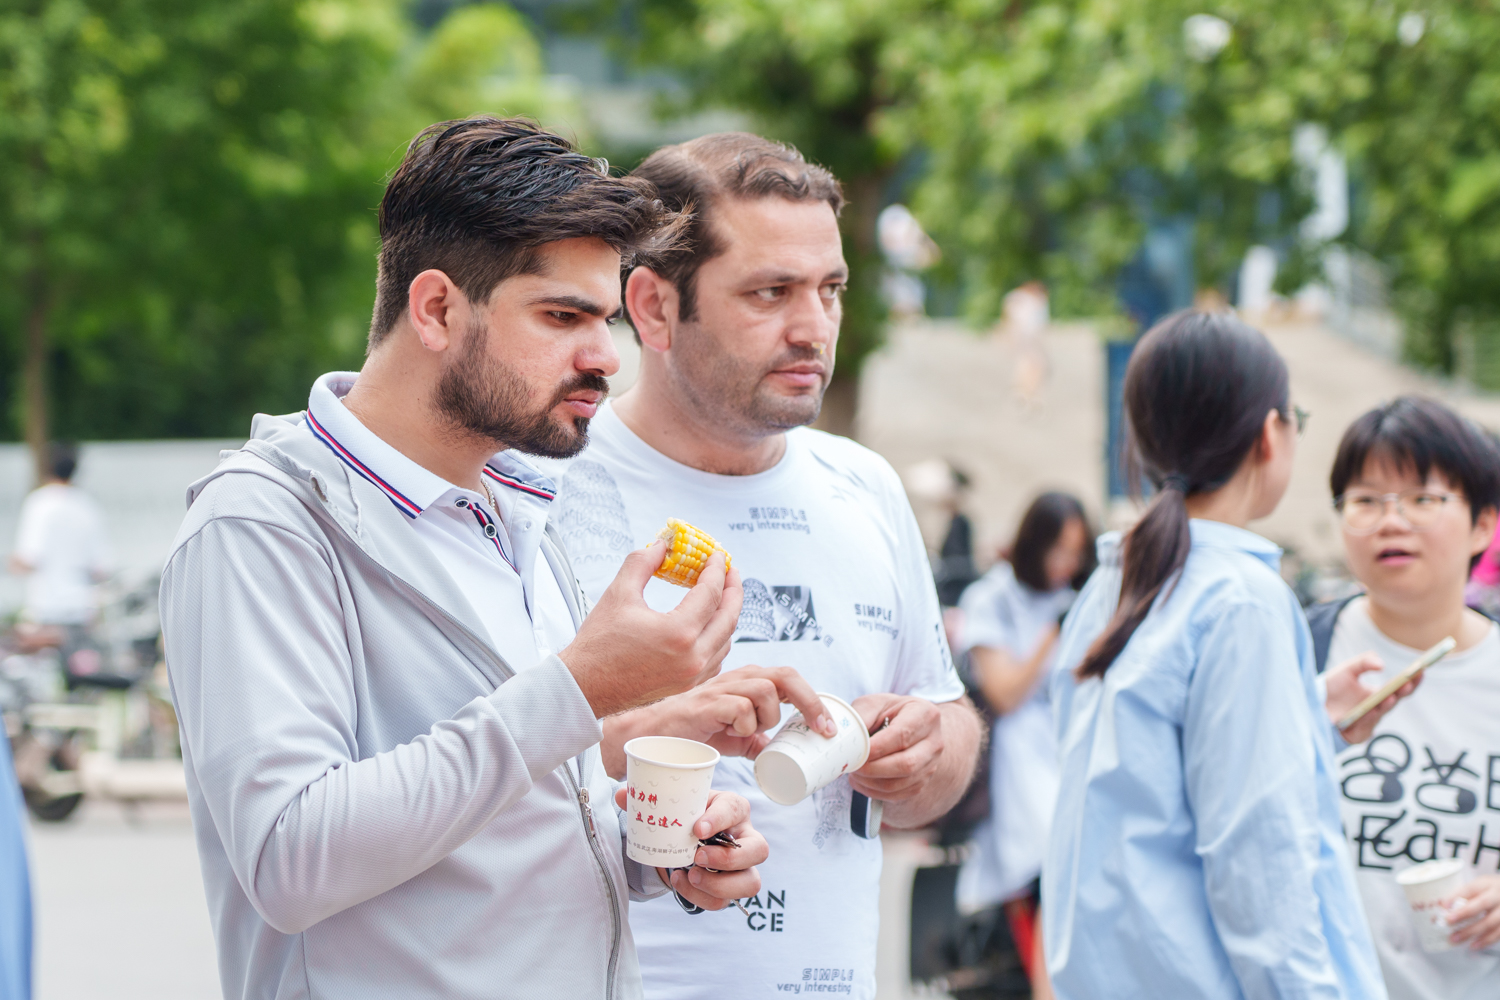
(1421, 663)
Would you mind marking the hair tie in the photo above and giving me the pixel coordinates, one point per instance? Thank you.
(1176, 481)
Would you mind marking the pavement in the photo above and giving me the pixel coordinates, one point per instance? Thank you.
(120, 912)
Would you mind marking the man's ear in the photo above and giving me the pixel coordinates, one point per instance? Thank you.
(652, 301)
(1483, 532)
(1269, 440)
(437, 309)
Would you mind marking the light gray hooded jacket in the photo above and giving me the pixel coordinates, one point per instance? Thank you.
(383, 806)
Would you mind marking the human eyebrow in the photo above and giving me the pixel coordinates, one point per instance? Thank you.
(577, 303)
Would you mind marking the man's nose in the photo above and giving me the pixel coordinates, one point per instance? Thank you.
(808, 321)
(599, 353)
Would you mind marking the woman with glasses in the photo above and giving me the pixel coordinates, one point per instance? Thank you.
(1416, 488)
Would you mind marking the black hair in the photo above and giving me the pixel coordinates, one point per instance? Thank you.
(62, 460)
(1197, 392)
(1041, 526)
(1417, 434)
(477, 198)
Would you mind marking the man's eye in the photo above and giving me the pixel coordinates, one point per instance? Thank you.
(832, 292)
(561, 317)
(1426, 500)
(769, 294)
(1361, 503)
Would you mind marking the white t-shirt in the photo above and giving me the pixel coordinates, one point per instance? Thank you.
(1426, 785)
(1002, 613)
(61, 534)
(837, 585)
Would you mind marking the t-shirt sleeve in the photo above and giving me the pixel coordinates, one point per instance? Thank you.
(924, 665)
(987, 619)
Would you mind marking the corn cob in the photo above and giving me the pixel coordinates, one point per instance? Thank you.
(688, 550)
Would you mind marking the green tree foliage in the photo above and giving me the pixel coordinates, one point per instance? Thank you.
(187, 195)
(1057, 129)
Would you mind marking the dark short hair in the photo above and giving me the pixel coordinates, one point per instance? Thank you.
(62, 460)
(1041, 526)
(477, 198)
(692, 177)
(1417, 434)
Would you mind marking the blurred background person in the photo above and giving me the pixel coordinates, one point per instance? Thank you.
(1417, 489)
(61, 547)
(944, 485)
(1011, 618)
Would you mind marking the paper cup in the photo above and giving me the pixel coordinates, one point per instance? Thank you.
(798, 761)
(667, 781)
(1426, 886)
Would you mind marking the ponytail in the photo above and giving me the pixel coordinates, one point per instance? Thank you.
(1197, 392)
(1154, 552)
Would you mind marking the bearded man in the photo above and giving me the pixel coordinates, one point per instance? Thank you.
(388, 694)
(738, 329)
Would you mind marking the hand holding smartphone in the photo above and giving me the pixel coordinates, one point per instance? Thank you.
(1395, 684)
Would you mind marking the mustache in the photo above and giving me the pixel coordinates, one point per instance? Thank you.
(582, 382)
(797, 356)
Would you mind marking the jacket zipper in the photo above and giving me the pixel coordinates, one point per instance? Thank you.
(609, 884)
(580, 793)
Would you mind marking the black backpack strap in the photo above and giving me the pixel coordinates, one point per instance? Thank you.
(1321, 618)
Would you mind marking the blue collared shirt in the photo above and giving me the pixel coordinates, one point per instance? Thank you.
(1196, 848)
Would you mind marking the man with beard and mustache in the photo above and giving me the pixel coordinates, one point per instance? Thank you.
(738, 330)
(389, 697)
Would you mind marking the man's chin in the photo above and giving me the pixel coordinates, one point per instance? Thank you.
(558, 440)
(776, 411)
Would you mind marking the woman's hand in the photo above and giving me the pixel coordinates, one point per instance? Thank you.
(1478, 901)
(1345, 692)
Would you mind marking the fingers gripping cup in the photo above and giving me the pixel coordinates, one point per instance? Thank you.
(798, 761)
(667, 784)
(1427, 885)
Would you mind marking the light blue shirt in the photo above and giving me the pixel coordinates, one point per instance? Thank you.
(15, 886)
(1196, 848)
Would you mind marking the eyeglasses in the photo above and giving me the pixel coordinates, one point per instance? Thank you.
(1300, 417)
(1363, 511)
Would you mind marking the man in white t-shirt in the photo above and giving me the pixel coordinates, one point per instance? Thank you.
(61, 547)
(738, 338)
(1417, 488)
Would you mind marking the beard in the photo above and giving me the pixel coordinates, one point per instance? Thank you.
(486, 397)
(728, 391)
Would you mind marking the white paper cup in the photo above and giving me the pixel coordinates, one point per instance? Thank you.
(799, 761)
(667, 781)
(1426, 886)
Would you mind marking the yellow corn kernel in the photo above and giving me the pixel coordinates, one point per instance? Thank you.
(688, 550)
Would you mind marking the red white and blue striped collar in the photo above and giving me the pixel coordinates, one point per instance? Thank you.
(410, 488)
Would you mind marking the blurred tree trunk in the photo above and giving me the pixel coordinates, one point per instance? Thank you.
(34, 369)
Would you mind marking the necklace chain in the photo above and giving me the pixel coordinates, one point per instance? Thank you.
(490, 496)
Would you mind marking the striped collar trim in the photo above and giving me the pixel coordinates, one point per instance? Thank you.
(533, 488)
(405, 505)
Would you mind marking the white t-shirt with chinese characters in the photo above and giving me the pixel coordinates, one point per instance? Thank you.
(1426, 785)
(838, 585)
(61, 535)
(1003, 613)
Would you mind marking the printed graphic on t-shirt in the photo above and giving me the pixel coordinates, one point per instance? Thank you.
(1418, 804)
(591, 516)
(833, 801)
(874, 618)
(773, 518)
(778, 614)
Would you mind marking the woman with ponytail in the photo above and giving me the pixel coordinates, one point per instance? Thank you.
(1196, 848)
